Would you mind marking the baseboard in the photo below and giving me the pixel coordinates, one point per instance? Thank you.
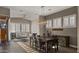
(74, 46)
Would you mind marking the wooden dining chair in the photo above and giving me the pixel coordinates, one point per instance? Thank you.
(41, 45)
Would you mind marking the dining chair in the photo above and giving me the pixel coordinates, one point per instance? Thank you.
(40, 44)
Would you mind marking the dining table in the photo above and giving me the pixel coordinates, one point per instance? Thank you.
(45, 40)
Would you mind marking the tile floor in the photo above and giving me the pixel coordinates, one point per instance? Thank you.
(23, 47)
(12, 47)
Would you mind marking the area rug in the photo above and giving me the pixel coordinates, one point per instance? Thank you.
(27, 48)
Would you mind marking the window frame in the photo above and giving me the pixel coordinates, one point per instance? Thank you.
(56, 26)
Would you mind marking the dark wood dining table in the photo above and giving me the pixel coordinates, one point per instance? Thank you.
(46, 39)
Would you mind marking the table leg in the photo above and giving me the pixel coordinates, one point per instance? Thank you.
(46, 46)
(30, 42)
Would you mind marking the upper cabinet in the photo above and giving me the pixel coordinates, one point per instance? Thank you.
(57, 22)
(69, 21)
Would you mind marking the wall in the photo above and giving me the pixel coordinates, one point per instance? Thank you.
(42, 28)
(68, 32)
(78, 32)
(4, 11)
(11, 28)
(64, 12)
(35, 27)
(72, 32)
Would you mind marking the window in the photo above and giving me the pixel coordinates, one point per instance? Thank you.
(17, 27)
(25, 28)
(49, 24)
(22, 27)
(54, 23)
(69, 21)
(66, 21)
(57, 23)
(73, 20)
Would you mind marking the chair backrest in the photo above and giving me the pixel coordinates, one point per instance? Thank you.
(34, 35)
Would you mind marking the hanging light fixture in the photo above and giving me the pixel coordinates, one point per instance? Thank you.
(42, 13)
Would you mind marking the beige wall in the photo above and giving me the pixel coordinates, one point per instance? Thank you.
(72, 32)
(42, 28)
(78, 32)
(64, 12)
(35, 27)
(4, 11)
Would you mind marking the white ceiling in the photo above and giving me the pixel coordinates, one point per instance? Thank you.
(33, 12)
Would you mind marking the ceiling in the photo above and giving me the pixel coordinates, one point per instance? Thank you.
(33, 12)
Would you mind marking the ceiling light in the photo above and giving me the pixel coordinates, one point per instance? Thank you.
(42, 6)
